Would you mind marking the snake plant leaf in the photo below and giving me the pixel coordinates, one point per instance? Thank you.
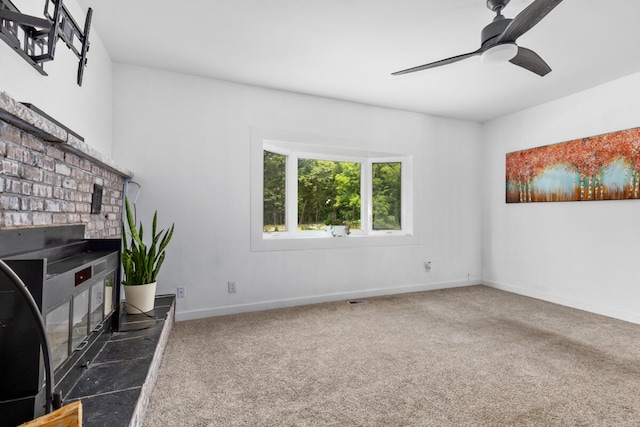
(155, 272)
(166, 239)
(132, 224)
(154, 224)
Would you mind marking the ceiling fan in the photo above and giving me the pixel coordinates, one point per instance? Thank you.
(499, 39)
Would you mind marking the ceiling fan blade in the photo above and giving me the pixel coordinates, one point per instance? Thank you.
(527, 19)
(528, 59)
(439, 63)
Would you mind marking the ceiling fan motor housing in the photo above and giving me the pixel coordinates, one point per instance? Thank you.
(494, 29)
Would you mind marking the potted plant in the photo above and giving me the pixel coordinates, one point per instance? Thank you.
(336, 227)
(141, 263)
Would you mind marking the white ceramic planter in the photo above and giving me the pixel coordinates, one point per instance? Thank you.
(140, 298)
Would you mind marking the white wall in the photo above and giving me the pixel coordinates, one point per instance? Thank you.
(581, 254)
(188, 141)
(86, 110)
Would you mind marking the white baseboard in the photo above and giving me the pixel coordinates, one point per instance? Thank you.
(292, 302)
(569, 302)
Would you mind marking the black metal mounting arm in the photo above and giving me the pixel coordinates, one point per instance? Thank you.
(35, 38)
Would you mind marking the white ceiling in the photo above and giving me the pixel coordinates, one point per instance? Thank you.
(346, 49)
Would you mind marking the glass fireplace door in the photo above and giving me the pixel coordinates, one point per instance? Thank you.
(57, 321)
(80, 325)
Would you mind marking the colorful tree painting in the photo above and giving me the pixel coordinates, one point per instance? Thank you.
(603, 167)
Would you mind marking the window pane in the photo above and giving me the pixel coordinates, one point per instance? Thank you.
(386, 196)
(274, 192)
(328, 192)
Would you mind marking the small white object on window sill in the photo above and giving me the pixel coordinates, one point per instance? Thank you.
(338, 230)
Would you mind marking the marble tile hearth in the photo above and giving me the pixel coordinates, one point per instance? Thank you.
(116, 387)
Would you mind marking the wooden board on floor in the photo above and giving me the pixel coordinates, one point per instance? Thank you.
(68, 416)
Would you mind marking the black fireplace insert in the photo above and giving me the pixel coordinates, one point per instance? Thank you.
(75, 284)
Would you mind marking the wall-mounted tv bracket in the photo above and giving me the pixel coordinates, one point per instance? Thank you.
(35, 38)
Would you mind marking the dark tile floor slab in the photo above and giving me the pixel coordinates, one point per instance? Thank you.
(128, 348)
(111, 409)
(111, 376)
(139, 329)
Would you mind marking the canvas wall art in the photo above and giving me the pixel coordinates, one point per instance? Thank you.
(603, 167)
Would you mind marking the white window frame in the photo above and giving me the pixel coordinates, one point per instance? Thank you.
(295, 146)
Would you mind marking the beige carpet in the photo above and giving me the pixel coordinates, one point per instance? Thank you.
(471, 356)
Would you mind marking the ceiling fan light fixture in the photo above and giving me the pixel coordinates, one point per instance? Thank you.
(499, 54)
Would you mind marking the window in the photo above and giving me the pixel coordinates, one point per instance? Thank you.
(273, 210)
(386, 196)
(302, 186)
(328, 193)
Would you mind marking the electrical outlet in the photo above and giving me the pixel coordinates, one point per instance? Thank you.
(427, 266)
(181, 292)
(231, 287)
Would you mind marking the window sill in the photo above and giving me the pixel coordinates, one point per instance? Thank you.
(287, 243)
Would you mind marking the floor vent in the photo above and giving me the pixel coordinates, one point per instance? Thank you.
(358, 301)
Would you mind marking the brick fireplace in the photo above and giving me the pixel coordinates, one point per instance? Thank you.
(48, 175)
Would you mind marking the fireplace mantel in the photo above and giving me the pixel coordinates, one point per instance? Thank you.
(22, 117)
(49, 176)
